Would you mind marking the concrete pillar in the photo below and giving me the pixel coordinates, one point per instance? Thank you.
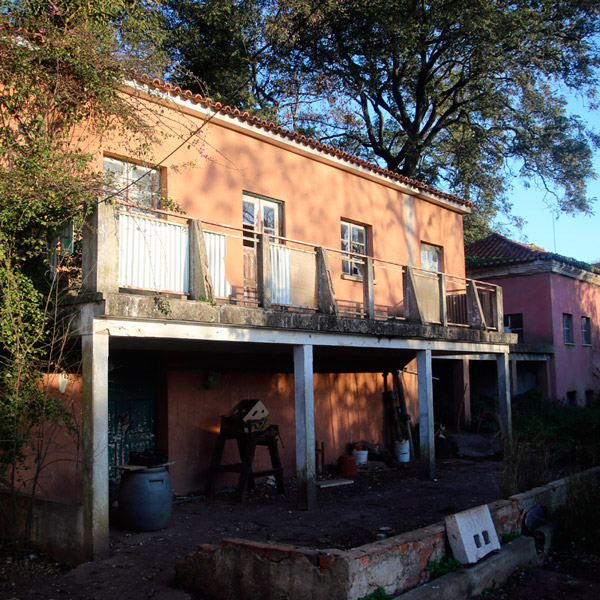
(305, 426)
(263, 270)
(201, 286)
(100, 256)
(426, 423)
(462, 391)
(368, 288)
(514, 380)
(94, 435)
(504, 395)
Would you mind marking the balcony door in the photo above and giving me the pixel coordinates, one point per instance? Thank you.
(260, 215)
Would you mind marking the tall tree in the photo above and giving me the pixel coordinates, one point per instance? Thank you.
(60, 70)
(462, 95)
(216, 49)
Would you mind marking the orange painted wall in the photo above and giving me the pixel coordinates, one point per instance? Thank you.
(207, 178)
(60, 476)
(207, 175)
(348, 407)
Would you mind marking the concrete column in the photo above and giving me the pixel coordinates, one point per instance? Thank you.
(326, 291)
(462, 391)
(443, 301)
(514, 380)
(94, 435)
(201, 286)
(426, 424)
(263, 270)
(305, 426)
(368, 288)
(100, 258)
(504, 395)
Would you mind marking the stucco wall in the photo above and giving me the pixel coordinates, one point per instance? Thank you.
(207, 177)
(60, 475)
(542, 298)
(577, 367)
(348, 408)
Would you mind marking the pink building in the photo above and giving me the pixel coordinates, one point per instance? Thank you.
(553, 303)
(298, 275)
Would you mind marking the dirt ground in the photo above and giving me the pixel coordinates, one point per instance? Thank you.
(387, 502)
(140, 565)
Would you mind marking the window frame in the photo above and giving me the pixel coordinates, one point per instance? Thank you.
(126, 189)
(586, 332)
(567, 324)
(515, 329)
(427, 263)
(353, 268)
(259, 204)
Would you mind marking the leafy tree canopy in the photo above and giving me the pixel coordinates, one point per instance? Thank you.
(217, 46)
(462, 95)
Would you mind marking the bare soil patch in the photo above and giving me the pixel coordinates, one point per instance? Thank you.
(380, 502)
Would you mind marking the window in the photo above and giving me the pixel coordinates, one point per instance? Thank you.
(586, 331)
(568, 328)
(261, 215)
(132, 183)
(513, 323)
(431, 257)
(354, 239)
(572, 398)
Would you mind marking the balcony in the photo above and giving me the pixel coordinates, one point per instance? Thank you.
(169, 259)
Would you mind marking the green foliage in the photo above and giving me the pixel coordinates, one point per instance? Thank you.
(549, 439)
(58, 95)
(577, 518)
(378, 594)
(462, 95)
(215, 46)
(448, 564)
(510, 537)
(484, 414)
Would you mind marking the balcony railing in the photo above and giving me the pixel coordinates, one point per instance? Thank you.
(207, 261)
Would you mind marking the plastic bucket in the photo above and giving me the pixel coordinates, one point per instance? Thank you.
(145, 499)
(347, 466)
(402, 450)
(360, 456)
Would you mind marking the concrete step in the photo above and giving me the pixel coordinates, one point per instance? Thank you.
(471, 581)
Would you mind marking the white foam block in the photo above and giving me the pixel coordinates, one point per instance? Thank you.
(472, 534)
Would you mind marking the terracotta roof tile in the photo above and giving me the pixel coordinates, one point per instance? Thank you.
(499, 250)
(299, 138)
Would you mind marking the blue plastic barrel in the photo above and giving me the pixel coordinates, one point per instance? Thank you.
(145, 499)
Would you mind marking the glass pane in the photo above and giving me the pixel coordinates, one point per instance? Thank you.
(346, 267)
(248, 213)
(144, 185)
(269, 219)
(345, 232)
(358, 234)
(115, 175)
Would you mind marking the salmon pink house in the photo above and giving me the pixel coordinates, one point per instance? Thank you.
(233, 259)
(552, 303)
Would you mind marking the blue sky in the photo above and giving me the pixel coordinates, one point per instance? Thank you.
(578, 236)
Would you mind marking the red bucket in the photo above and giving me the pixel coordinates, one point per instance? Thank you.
(347, 466)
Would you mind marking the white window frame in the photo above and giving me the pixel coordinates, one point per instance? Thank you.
(135, 183)
(353, 267)
(431, 257)
(261, 207)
